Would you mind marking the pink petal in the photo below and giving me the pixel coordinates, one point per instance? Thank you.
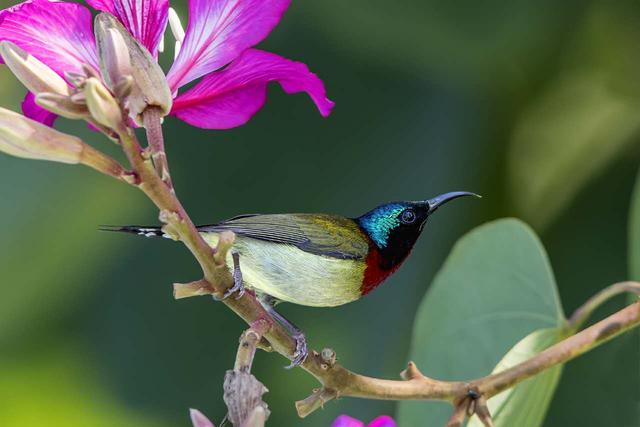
(218, 31)
(228, 98)
(347, 421)
(382, 421)
(146, 20)
(57, 33)
(36, 112)
(199, 420)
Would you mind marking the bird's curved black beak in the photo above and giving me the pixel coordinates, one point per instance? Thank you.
(440, 200)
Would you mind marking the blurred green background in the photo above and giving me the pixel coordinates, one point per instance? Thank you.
(533, 104)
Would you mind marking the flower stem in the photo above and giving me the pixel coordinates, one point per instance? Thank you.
(153, 125)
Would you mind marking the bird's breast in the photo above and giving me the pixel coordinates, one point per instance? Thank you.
(376, 270)
(291, 274)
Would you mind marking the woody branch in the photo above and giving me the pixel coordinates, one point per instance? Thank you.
(144, 96)
(339, 381)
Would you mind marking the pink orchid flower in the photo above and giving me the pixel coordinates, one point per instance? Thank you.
(217, 47)
(347, 421)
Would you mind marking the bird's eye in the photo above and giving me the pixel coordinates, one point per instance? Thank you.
(408, 216)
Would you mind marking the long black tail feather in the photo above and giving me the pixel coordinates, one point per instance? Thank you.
(140, 230)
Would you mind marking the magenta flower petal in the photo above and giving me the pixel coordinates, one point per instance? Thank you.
(146, 20)
(58, 34)
(382, 421)
(218, 31)
(347, 421)
(228, 98)
(36, 112)
(199, 420)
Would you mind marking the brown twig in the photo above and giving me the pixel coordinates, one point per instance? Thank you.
(152, 118)
(335, 379)
(338, 381)
(582, 314)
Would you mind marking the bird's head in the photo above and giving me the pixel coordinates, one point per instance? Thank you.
(395, 227)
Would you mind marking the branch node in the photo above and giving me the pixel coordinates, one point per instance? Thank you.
(328, 357)
(482, 411)
(226, 240)
(192, 289)
(170, 220)
(130, 178)
(411, 373)
(315, 401)
(459, 413)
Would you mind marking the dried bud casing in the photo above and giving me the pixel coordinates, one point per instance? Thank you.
(62, 105)
(26, 138)
(101, 104)
(35, 75)
(150, 87)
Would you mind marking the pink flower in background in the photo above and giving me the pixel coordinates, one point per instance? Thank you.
(347, 421)
(198, 419)
(216, 46)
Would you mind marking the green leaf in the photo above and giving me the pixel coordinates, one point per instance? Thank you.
(564, 139)
(495, 288)
(634, 233)
(526, 404)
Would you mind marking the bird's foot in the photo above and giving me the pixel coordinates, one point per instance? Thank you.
(238, 285)
(301, 353)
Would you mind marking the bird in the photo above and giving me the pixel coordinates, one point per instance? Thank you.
(317, 260)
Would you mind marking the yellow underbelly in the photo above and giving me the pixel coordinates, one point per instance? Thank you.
(290, 274)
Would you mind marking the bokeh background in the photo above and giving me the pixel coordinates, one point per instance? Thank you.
(534, 104)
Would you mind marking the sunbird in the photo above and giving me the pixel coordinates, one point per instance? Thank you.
(316, 260)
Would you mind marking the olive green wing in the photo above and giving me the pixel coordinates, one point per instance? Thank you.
(327, 235)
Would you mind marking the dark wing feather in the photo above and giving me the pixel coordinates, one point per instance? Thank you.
(319, 234)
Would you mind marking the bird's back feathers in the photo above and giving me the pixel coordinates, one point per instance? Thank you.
(319, 234)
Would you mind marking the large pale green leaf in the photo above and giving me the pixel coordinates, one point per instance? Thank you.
(495, 288)
(634, 265)
(566, 137)
(634, 233)
(580, 121)
(526, 404)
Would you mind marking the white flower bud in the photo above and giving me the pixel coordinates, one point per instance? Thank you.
(101, 104)
(26, 138)
(35, 75)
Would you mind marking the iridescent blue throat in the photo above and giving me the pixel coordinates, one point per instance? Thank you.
(379, 222)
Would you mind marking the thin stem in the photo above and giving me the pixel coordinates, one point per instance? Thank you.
(242, 391)
(418, 387)
(102, 163)
(152, 118)
(248, 345)
(582, 314)
(562, 352)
